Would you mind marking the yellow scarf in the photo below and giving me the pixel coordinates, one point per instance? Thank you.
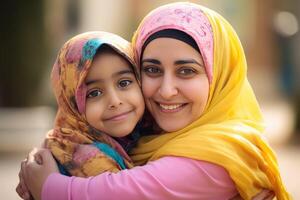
(229, 131)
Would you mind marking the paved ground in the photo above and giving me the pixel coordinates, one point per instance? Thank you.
(288, 156)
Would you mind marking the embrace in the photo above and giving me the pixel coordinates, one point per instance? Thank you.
(170, 115)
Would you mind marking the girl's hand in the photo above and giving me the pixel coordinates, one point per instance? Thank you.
(264, 195)
(22, 189)
(40, 164)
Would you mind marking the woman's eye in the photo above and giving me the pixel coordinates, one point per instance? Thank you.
(152, 71)
(94, 93)
(187, 71)
(124, 83)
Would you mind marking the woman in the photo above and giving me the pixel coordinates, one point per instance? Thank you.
(195, 86)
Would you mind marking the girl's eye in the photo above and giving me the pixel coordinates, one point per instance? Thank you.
(187, 72)
(124, 83)
(152, 71)
(94, 93)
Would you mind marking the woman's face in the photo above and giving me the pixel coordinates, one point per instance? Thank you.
(174, 83)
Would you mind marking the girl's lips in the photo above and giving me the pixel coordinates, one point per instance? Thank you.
(118, 117)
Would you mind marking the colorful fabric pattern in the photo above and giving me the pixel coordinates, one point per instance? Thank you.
(80, 149)
(229, 132)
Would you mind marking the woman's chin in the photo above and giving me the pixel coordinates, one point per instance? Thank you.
(170, 127)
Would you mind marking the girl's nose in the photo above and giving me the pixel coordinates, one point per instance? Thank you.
(114, 100)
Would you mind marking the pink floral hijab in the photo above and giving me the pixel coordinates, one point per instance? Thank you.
(184, 18)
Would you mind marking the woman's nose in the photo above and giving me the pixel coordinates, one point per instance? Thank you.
(168, 87)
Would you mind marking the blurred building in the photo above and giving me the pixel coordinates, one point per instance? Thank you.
(268, 30)
(33, 31)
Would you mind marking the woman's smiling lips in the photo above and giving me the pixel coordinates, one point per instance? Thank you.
(170, 108)
(118, 117)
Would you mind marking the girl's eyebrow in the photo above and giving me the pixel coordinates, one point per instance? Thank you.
(151, 60)
(126, 71)
(93, 81)
(187, 61)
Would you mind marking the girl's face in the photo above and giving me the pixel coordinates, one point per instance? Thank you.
(114, 102)
(174, 83)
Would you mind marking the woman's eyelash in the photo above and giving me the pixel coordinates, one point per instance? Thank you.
(151, 69)
(187, 71)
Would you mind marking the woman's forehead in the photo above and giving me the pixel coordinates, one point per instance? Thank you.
(185, 17)
(170, 48)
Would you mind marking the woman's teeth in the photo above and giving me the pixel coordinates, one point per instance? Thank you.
(170, 107)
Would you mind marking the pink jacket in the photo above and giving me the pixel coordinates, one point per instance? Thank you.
(166, 178)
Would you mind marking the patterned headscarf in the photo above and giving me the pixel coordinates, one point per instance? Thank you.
(228, 133)
(80, 149)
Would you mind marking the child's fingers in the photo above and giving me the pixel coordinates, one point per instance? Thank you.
(36, 155)
(31, 155)
(26, 196)
(271, 196)
(38, 159)
(265, 195)
(22, 189)
(39, 155)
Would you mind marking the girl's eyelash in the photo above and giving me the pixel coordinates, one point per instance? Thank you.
(125, 81)
(94, 93)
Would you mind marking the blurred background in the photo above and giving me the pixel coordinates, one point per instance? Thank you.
(33, 31)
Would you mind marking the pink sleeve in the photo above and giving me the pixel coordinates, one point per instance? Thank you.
(166, 178)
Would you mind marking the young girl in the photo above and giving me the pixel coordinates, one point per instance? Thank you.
(99, 97)
(194, 82)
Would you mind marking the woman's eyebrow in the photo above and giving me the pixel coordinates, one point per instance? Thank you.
(187, 61)
(151, 60)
